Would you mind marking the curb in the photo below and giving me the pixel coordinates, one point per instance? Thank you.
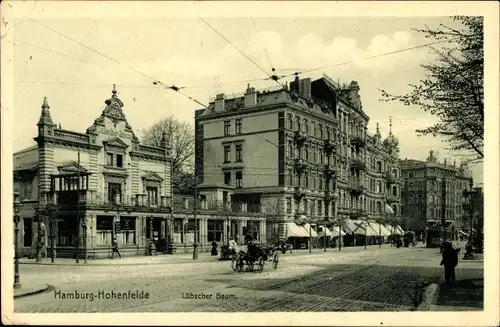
(428, 297)
(47, 288)
(93, 264)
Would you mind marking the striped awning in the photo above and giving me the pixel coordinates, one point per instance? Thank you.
(325, 232)
(294, 230)
(308, 228)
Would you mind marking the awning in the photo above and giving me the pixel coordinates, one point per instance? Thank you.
(388, 209)
(294, 230)
(370, 231)
(349, 226)
(325, 232)
(398, 231)
(463, 233)
(335, 231)
(313, 232)
(386, 230)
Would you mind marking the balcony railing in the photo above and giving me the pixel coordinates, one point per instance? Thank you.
(70, 135)
(356, 187)
(329, 171)
(357, 213)
(357, 164)
(300, 137)
(389, 178)
(300, 164)
(358, 141)
(300, 191)
(329, 195)
(222, 207)
(66, 199)
(390, 199)
(330, 146)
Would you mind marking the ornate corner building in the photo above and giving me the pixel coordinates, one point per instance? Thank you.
(434, 194)
(88, 188)
(300, 154)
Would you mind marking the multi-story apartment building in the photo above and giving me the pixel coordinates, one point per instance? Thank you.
(434, 193)
(124, 186)
(300, 154)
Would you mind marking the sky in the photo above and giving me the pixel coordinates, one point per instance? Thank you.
(187, 52)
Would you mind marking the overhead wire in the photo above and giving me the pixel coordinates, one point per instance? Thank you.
(261, 42)
(250, 59)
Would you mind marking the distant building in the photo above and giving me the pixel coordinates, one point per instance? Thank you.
(434, 193)
(296, 156)
(125, 187)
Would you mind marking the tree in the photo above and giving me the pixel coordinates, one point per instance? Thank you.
(181, 138)
(453, 88)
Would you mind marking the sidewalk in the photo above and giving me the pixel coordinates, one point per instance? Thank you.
(28, 289)
(202, 257)
(465, 295)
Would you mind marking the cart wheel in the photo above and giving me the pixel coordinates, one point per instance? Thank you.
(261, 264)
(275, 260)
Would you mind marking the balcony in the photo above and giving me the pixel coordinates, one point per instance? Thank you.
(224, 208)
(357, 164)
(390, 199)
(300, 192)
(300, 164)
(330, 146)
(358, 141)
(330, 195)
(329, 171)
(300, 137)
(356, 188)
(389, 178)
(357, 214)
(68, 200)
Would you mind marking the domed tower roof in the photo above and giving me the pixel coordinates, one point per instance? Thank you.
(391, 140)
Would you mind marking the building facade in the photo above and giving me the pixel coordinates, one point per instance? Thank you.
(433, 193)
(297, 155)
(84, 189)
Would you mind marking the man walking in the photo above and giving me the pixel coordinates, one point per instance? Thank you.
(449, 261)
(115, 249)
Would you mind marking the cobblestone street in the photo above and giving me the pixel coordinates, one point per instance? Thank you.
(386, 279)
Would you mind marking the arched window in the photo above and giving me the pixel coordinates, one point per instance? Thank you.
(394, 191)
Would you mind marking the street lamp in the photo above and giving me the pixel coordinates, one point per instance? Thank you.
(17, 283)
(84, 225)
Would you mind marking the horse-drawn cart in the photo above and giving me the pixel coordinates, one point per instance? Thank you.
(254, 256)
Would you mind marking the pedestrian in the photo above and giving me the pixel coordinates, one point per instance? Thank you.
(214, 248)
(449, 261)
(115, 249)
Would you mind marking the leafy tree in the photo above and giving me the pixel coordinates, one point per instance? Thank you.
(181, 138)
(453, 88)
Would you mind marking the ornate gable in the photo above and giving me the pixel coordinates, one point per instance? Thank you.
(152, 177)
(71, 168)
(115, 144)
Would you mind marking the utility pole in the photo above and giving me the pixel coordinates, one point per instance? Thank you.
(340, 233)
(310, 227)
(195, 243)
(78, 210)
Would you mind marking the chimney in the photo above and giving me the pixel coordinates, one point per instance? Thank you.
(250, 97)
(305, 88)
(220, 102)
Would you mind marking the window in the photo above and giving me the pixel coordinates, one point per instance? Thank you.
(239, 179)
(410, 174)
(114, 192)
(28, 230)
(288, 205)
(119, 160)
(152, 193)
(289, 148)
(238, 126)
(215, 230)
(227, 178)
(394, 191)
(321, 131)
(239, 149)
(227, 153)
(66, 235)
(227, 127)
(379, 187)
(127, 230)
(297, 123)
(327, 133)
(104, 229)
(379, 167)
(290, 177)
(109, 159)
(314, 129)
(320, 208)
(306, 153)
(289, 121)
(306, 126)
